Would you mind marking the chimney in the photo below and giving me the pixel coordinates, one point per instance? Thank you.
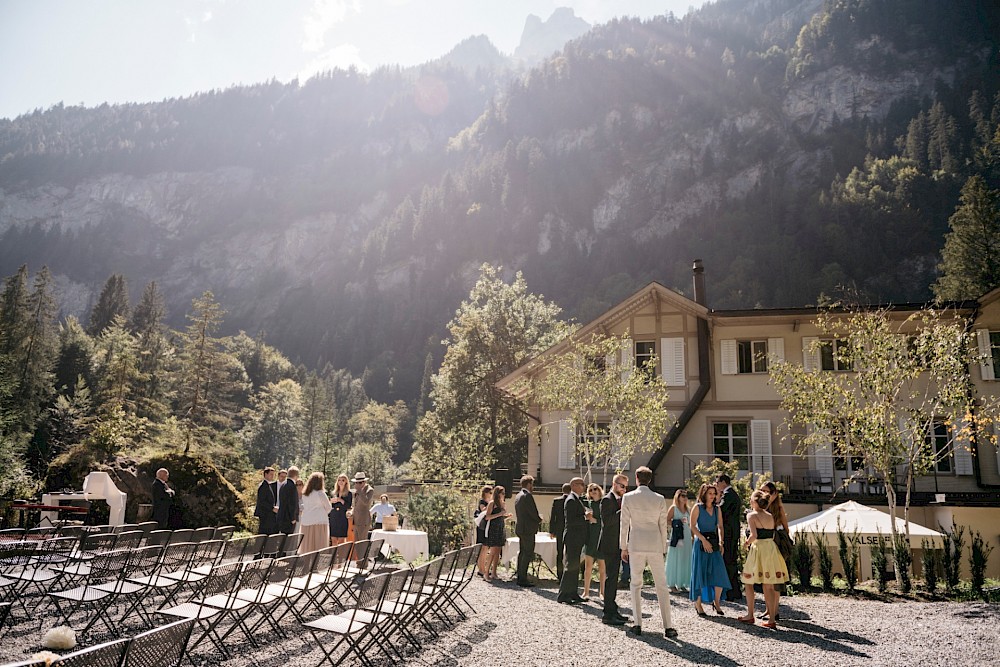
(699, 283)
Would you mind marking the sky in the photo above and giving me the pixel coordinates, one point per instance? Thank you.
(94, 51)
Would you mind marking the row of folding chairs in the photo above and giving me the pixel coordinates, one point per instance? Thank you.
(56, 570)
(160, 647)
(389, 607)
(246, 596)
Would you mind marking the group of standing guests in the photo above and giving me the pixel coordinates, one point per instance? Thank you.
(286, 504)
(694, 550)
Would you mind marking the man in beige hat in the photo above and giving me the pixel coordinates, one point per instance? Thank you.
(364, 494)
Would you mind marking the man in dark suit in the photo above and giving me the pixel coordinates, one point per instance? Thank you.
(607, 546)
(731, 507)
(528, 523)
(557, 524)
(574, 537)
(163, 499)
(288, 503)
(267, 504)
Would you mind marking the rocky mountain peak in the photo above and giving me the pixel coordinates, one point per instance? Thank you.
(540, 39)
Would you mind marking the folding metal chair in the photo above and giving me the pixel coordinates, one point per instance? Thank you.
(181, 535)
(352, 626)
(41, 533)
(388, 617)
(14, 557)
(224, 533)
(295, 585)
(440, 587)
(291, 544)
(332, 574)
(137, 584)
(419, 595)
(125, 528)
(96, 542)
(11, 534)
(202, 534)
(39, 572)
(147, 527)
(108, 567)
(160, 537)
(272, 546)
(465, 570)
(109, 654)
(220, 586)
(129, 540)
(268, 597)
(160, 647)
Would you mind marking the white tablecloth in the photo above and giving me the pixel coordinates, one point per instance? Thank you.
(409, 543)
(545, 546)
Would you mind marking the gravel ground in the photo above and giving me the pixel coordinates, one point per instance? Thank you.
(528, 627)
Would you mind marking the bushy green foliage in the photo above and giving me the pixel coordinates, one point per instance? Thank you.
(880, 563)
(443, 513)
(825, 561)
(979, 556)
(951, 556)
(929, 565)
(743, 484)
(802, 559)
(903, 557)
(847, 547)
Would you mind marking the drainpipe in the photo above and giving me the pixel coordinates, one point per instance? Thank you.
(704, 373)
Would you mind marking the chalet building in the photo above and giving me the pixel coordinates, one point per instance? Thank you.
(714, 363)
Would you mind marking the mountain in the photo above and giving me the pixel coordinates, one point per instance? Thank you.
(541, 39)
(794, 145)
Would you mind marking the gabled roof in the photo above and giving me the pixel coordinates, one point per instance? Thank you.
(990, 297)
(652, 293)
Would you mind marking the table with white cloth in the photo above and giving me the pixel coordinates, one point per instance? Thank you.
(409, 543)
(545, 548)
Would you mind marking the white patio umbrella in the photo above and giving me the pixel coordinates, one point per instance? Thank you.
(868, 521)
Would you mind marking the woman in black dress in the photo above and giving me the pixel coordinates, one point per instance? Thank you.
(496, 534)
(340, 502)
(485, 496)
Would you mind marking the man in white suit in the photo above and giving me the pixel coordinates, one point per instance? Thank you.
(645, 533)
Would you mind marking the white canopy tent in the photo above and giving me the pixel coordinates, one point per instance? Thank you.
(870, 524)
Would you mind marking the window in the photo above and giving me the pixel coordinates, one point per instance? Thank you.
(731, 442)
(751, 356)
(644, 352)
(832, 352)
(938, 441)
(593, 442)
(995, 348)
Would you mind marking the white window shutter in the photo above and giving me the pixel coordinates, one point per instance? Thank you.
(985, 354)
(729, 366)
(567, 445)
(628, 359)
(823, 456)
(674, 372)
(760, 445)
(810, 353)
(775, 349)
(961, 448)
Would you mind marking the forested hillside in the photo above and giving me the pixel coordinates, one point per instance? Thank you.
(794, 145)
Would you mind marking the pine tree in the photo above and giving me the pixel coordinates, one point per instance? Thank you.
(113, 301)
(970, 260)
(152, 389)
(36, 354)
(209, 378)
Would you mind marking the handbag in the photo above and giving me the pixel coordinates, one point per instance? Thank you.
(783, 541)
(713, 539)
(676, 532)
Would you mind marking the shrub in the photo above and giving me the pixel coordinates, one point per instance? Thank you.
(848, 555)
(880, 562)
(951, 556)
(929, 564)
(979, 555)
(443, 513)
(904, 561)
(825, 562)
(802, 559)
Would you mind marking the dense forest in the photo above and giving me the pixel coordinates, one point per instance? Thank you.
(796, 146)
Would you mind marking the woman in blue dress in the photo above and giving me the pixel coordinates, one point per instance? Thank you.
(708, 570)
(679, 552)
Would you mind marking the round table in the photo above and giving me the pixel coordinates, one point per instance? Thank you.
(409, 543)
(545, 546)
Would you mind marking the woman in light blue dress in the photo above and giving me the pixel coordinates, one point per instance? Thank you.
(708, 570)
(679, 552)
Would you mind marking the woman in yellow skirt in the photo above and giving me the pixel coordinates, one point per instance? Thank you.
(764, 564)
